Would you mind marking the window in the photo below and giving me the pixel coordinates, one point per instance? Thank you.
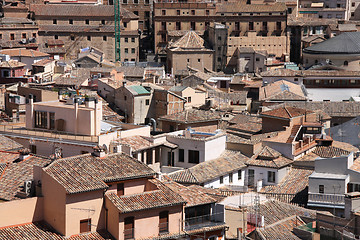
(163, 12)
(147, 2)
(177, 12)
(12, 36)
(85, 225)
(71, 21)
(23, 35)
(239, 174)
(199, 60)
(346, 63)
(193, 26)
(104, 38)
(136, 13)
(129, 228)
(271, 177)
(126, 40)
(89, 38)
(251, 26)
(353, 4)
(193, 156)
(321, 189)
(133, 59)
(124, 1)
(207, 12)
(136, 2)
(133, 50)
(221, 179)
(264, 26)
(0, 36)
(278, 26)
(149, 156)
(40, 119)
(257, 59)
(230, 177)
(33, 149)
(52, 120)
(34, 35)
(72, 38)
(103, 22)
(120, 189)
(126, 50)
(56, 37)
(189, 99)
(147, 102)
(87, 21)
(164, 222)
(163, 25)
(178, 26)
(54, 21)
(125, 24)
(181, 155)
(132, 39)
(192, 12)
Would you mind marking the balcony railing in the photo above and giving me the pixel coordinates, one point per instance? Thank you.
(338, 199)
(303, 145)
(202, 222)
(19, 130)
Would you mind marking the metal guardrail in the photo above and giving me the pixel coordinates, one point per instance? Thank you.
(16, 129)
(327, 198)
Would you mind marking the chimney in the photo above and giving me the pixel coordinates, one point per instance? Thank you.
(99, 151)
(124, 83)
(76, 107)
(24, 153)
(31, 102)
(352, 203)
(89, 102)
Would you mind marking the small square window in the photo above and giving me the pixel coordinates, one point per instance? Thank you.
(199, 60)
(104, 38)
(147, 102)
(72, 38)
(133, 50)
(126, 50)
(12, 36)
(136, 13)
(125, 24)
(126, 40)
(87, 21)
(132, 39)
(54, 21)
(103, 22)
(23, 35)
(56, 37)
(34, 35)
(71, 21)
(89, 38)
(163, 12)
(321, 189)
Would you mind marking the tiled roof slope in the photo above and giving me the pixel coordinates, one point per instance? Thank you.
(294, 182)
(40, 230)
(282, 90)
(162, 197)
(78, 10)
(88, 173)
(23, 53)
(282, 230)
(275, 211)
(12, 64)
(268, 157)
(286, 112)
(15, 173)
(228, 162)
(241, 6)
(193, 197)
(192, 116)
(345, 43)
(191, 40)
(330, 152)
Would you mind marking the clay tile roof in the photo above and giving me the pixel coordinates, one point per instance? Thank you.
(139, 143)
(53, 42)
(7, 144)
(23, 53)
(281, 230)
(282, 90)
(296, 180)
(42, 62)
(330, 152)
(229, 161)
(286, 112)
(162, 197)
(88, 173)
(40, 230)
(78, 10)
(191, 40)
(192, 116)
(268, 157)
(193, 197)
(241, 6)
(12, 64)
(15, 173)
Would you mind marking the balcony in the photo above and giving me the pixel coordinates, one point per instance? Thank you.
(304, 144)
(326, 200)
(205, 221)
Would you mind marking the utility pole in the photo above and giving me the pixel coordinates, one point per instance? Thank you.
(117, 30)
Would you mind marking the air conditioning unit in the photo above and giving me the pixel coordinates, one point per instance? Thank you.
(28, 187)
(23, 41)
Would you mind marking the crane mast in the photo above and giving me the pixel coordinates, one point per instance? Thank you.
(117, 30)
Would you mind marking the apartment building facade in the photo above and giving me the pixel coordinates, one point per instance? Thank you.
(261, 26)
(81, 26)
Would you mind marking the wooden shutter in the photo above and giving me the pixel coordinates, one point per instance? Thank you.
(85, 225)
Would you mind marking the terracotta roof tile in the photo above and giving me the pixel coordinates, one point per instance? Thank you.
(42, 62)
(23, 53)
(192, 116)
(12, 64)
(191, 40)
(162, 197)
(88, 173)
(281, 230)
(229, 161)
(286, 112)
(330, 152)
(15, 173)
(268, 157)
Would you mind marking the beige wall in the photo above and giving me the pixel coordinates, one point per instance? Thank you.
(83, 206)
(337, 60)
(21, 211)
(54, 203)
(197, 97)
(235, 218)
(180, 60)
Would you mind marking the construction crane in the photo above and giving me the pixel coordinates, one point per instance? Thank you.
(117, 30)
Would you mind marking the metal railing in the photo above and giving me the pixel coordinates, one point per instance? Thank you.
(16, 129)
(327, 198)
(203, 221)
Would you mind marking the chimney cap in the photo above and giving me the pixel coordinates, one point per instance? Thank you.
(24, 151)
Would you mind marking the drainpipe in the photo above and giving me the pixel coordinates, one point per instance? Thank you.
(31, 101)
(76, 104)
(95, 117)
